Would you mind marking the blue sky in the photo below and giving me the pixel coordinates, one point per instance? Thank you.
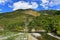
(12, 5)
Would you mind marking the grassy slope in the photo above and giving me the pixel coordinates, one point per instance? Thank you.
(14, 19)
(18, 17)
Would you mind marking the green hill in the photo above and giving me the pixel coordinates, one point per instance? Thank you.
(15, 20)
(48, 20)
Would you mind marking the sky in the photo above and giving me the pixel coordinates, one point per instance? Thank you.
(12, 5)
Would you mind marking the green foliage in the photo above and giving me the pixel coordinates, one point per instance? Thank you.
(47, 23)
(48, 20)
(57, 13)
(14, 20)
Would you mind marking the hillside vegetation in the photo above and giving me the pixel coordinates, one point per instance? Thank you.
(48, 20)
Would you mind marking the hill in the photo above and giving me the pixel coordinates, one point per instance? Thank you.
(16, 19)
(46, 19)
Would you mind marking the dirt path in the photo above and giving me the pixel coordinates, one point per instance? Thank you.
(30, 37)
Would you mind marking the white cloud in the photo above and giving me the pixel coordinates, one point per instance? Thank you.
(46, 3)
(10, 6)
(4, 1)
(24, 5)
(34, 5)
(54, 2)
(44, 6)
